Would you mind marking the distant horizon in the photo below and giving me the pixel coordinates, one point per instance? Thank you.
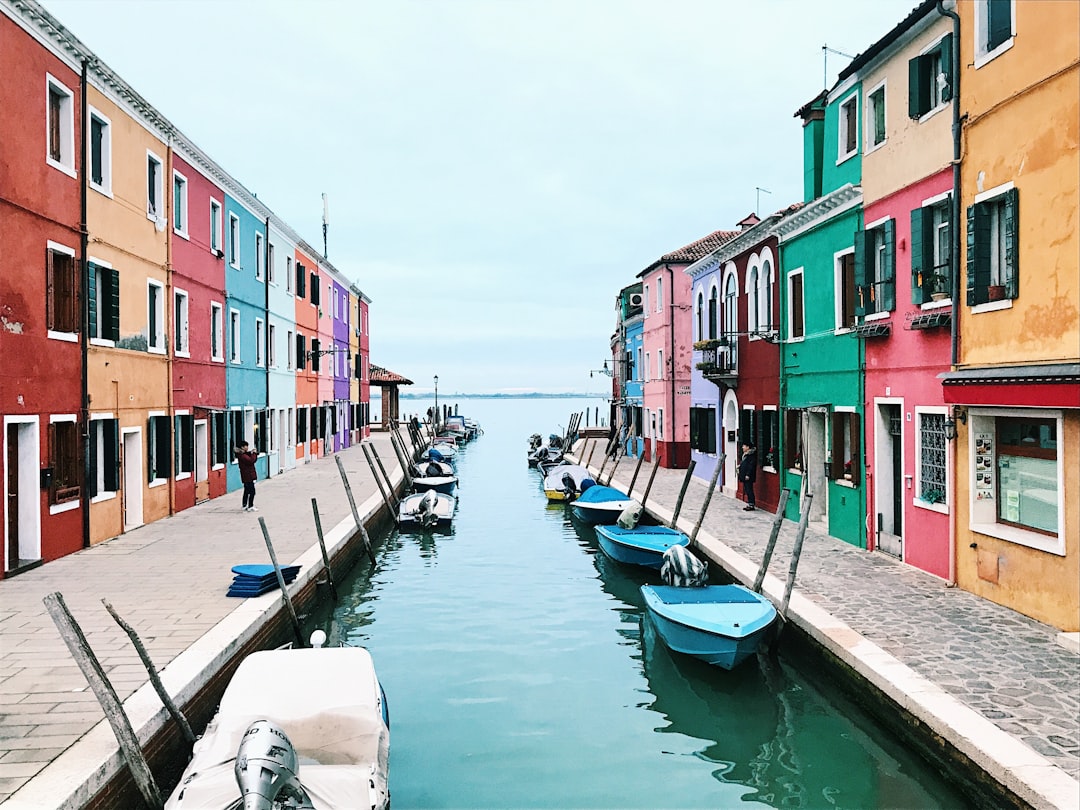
(414, 395)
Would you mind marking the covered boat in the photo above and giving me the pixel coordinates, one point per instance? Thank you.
(600, 504)
(300, 728)
(641, 545)
(436, 475)
(440, 451)
(566, 481)
(426, 509)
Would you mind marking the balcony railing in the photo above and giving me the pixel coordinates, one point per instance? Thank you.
(718, 364)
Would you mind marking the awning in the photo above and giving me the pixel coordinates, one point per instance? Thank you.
(1054, 385)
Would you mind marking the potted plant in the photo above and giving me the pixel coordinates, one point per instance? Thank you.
(995, 292)
(711, 343)
(937, 284)
(934, 495)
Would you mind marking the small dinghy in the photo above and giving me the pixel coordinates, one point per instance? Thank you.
(720, 624)
(436, 475)
(566, 481)
(426, 509)
(440, 451)
(296, 728)
(641, 545)
(601, 505)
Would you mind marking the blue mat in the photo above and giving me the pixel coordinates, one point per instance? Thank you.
(261, 571)
(255, 580)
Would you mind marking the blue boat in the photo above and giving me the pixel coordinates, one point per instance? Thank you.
(720, 624)
(643, 545)
(599, 504)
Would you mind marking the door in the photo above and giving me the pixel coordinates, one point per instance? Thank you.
(283, 435)
(202, 465)
(12, 489)
(814, 471)
(132, 472)
(729, 477)
(890, 483)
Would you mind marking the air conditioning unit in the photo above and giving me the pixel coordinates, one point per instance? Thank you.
(357, 330)
(636, 299)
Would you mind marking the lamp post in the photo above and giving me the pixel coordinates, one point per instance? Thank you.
(436, 420)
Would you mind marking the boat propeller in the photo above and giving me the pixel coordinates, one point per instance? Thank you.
(266, 768)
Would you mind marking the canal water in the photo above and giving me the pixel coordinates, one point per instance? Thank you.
(520, 670)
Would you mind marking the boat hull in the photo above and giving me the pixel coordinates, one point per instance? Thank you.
(644, 545)
(597, 513)
(441, 512)
(443, 484)
(720, 624)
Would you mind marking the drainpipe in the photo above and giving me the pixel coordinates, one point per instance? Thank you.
(266, 316)
(671, 355)
(84, 340)
(168, 309)
(954, 258)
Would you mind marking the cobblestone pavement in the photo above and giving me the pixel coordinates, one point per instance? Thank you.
(168, 580)
(1005, 666)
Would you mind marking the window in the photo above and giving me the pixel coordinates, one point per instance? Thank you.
(765, 320)
(768, 438)
(845, 290)
(848, 143)
(104, 458)
(61, 290)
(731, 316)
(301, 280)
(875, 117)
(215, 227)
(271, 348)
(793, 445)
(659, 294)
(1027, 476)
(357, 369)
(993, 29)
(185, 445)
(290, 348)
(641, 366)
(260, 431)
(236, 427)
(301, 425)
(316, 345)
(930, 79)
(159, 455)
(796, 324)
(219, 440)
(180, 324)
(699, 323)
(271, 271)
(645, 308)
(712, 313)
(259, 342)
(993, 248)
(100, 152)
(234, 241)
(155, 316)
(64, 460)
(315, 291)
(659, 364)
(703, 430)
(647, 361)
(60, 126)
(933, 481)
(845, 458)
(260, 259)
(301, 352)
(875, 269)
(337, 310)
(931, 268)
(748, 425)
(660, 423)
(753, 304)
(155, 192)
(288, 274)
(234, 336)
(180, 204)
(216, 331)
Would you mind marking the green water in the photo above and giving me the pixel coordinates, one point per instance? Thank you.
(520, 671)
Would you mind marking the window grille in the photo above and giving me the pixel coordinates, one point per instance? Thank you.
(932, 457)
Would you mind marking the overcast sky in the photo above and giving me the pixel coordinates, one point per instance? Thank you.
(496, 171)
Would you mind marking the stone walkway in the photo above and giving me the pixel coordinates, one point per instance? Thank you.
(1008, 668)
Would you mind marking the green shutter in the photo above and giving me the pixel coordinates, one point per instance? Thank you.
(315, 345)
(919, 243)
(91, 484)
(946, 50)
(178, 450)
(918, 95)
(861, 293)
(1012, 243)
(887, 288)
(745, 426)
(110, 438)
(110, 322)
(978, 254)
(695, 419)
(760, 437)
(301, 353)
(92, 298)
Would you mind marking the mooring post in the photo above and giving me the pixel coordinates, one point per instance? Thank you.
(708, 497)
(778, 519)
(389, 483)
(600, 473)
(103, 689)
(355, 511)
(285, 598)
(682, 493)
(611, 474)
(592, 449)
(378, 480)
(796, 552)
(648, 486)
(155, 680)
(633, 478)
(322, 546)
(402, 459)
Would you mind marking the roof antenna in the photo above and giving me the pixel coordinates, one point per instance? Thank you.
(757, 206)
(325, 222)
(825, 51)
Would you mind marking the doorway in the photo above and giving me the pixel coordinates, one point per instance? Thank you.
(729, 477)
(814, 469)
(202, 466)
(282, 438)
(889, 477)
(132, 465)
(22, 526)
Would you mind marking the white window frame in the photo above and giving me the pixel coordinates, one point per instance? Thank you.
(841, 128)
(271, 270)
(259, 262)
(659, 294)
(156, 215)
(56, 247)
(798, 271)
(916, 499)
(151, 440)
(752, 291)
(260, 347)
(271, 348)
(234, 336)
(181, 317)
(647, 369)
(234, 240)
(160, 332)
(869, 124)
(98, 464)
(289, 275)
(217, 320)
(766, 280)
(96, 265)
(66, 164)
(105, 186)
(290, 350)
(216, 232)
(982, 21)
(180, 205)
(659, 364)
(645, 301)
(640, 366)
(838, 280)
(66, 506)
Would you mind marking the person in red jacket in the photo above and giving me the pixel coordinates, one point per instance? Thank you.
(246, 459)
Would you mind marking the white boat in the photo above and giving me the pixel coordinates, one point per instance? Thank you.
(563, 483)
(426, 509)
(296, 728)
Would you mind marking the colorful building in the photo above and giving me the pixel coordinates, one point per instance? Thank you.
(281, 346)
(307, 352)
(1015, 383)
(629, 363)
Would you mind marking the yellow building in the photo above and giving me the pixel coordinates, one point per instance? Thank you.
(1015, 382)
(128, 220)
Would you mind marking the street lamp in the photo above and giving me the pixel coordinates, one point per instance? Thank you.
(436, 421)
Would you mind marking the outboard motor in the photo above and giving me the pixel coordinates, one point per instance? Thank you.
(568, 482)
(433, 470)
(426, 510)
(629, 517)
(682, 569)
(266, 768)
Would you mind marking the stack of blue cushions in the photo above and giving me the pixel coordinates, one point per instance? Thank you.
(255, 580)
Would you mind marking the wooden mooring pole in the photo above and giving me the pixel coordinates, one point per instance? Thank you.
(796, 552)
(355, 511)
(378, 480)
(403, 458)
(708, 498)
(637, 469)
(648, 486)
(682, 493)
(322, 546)
(285, 598)
(389, 483)
(775, 533)
(592, 449)
(613, 468)
(94, 673)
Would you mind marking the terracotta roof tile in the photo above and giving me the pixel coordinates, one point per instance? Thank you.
(701, 248)
(380, 376)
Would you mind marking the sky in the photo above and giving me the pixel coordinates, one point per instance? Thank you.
(496, 170)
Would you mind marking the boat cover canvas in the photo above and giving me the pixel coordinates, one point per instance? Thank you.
(328, 703)
(601, 494)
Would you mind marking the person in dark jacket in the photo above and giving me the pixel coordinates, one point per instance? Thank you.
(246, 459)
(748, 474)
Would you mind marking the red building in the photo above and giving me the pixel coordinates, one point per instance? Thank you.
(41, 313)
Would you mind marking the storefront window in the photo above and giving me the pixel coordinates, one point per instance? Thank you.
(1026, 473)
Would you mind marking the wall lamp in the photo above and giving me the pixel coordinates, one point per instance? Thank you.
(322, 352)
(605, 371)
(950, 422)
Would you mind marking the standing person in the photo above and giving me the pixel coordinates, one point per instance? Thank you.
(748, 474)
(246, 459)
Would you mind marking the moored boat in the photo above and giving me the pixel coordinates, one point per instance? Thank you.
(426, 509)
(641, 545)
(566, 482)
(601, 505)
(301, 728)
(436, 475)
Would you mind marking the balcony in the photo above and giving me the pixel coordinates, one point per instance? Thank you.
(718, 363)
